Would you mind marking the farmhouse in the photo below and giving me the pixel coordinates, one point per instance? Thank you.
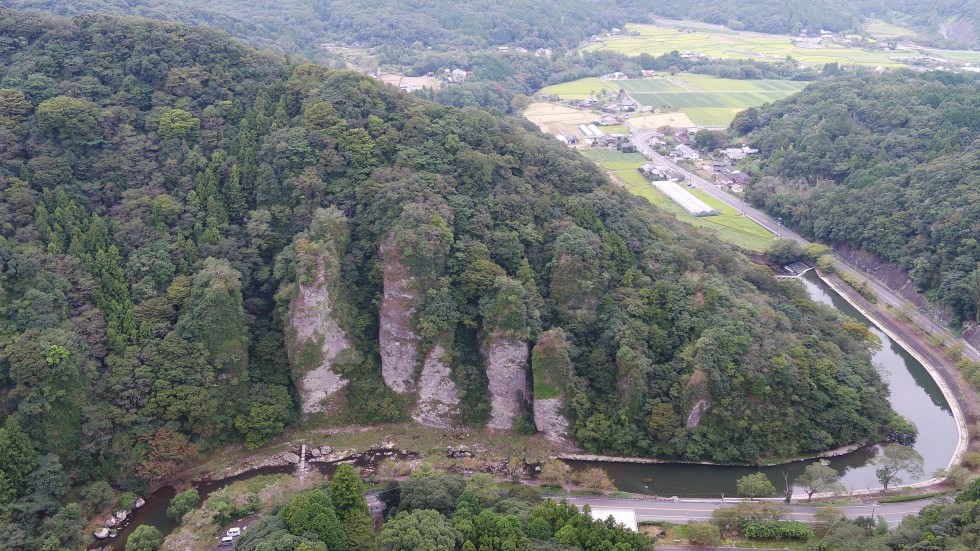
(685, 152)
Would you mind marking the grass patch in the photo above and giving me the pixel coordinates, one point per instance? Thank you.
(576, 89)
(603, 154)
(903, 499)
(621, 166)
(731, 226)
(613, 129)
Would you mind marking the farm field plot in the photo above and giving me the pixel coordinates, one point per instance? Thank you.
(705, 100)
(730, 226)
(614, 160)
(557, 119)
(716, 43)
(708, 100)
(576, 89)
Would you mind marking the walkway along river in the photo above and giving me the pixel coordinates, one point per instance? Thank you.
(914, 394)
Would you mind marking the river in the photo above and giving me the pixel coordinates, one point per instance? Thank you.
(154, 512)
(914, 394)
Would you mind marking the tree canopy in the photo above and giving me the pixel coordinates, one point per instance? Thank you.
(885, 163)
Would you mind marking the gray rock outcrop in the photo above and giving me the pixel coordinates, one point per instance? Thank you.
(438, 402)
(549, 420)
(506, 360)
(397, 338)
(314, 325)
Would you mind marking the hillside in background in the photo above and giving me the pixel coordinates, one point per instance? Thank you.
(885, 163)
(766, 16)
(949, 23)
(302, 26)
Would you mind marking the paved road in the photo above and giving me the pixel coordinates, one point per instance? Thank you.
(685, 511)
(924, 320)
(681, 512)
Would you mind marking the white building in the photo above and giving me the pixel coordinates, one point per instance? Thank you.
(626, 517)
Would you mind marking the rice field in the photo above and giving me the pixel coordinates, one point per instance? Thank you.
(576, 89)
(726, 44)
(706, 100)
(613, 160)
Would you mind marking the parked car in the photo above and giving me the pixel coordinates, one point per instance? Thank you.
(234, 532)
(226, 541)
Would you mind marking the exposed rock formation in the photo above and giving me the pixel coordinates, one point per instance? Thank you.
(316, 343)
(438, 402)
(398, 339)
(549, 420)
(552, 369)
(694, 419)
(314, 325)
(699, 397)
(506, 359)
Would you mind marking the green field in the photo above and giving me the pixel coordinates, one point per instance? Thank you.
(969, 57)
(727, 44)
(707, 100)
(614, 160)
(883, 30)
(576, 89)
(730, 226)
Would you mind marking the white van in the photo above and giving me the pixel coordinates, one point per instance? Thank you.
(234, 532)
(226, 541)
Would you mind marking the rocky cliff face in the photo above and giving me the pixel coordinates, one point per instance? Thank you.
(549, 420)
(506, 360)
(552, 373)
(398, 338)
(699, 397)
(438, 402)
(316, 330)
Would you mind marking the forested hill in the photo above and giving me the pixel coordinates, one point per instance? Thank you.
(949, 23)
(303, 25)
(887, 163)
(199, 241)
(766, 16)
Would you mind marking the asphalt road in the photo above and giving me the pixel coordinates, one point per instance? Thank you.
(682, 512)
(885, 295)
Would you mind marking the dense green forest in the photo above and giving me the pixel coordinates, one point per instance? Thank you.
(886, 163)
(162, 190)
(436, 512)
(766, 16)
(303, 25)
(287, 25)
(418, 39)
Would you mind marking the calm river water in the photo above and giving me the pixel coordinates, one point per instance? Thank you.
(913, 394)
